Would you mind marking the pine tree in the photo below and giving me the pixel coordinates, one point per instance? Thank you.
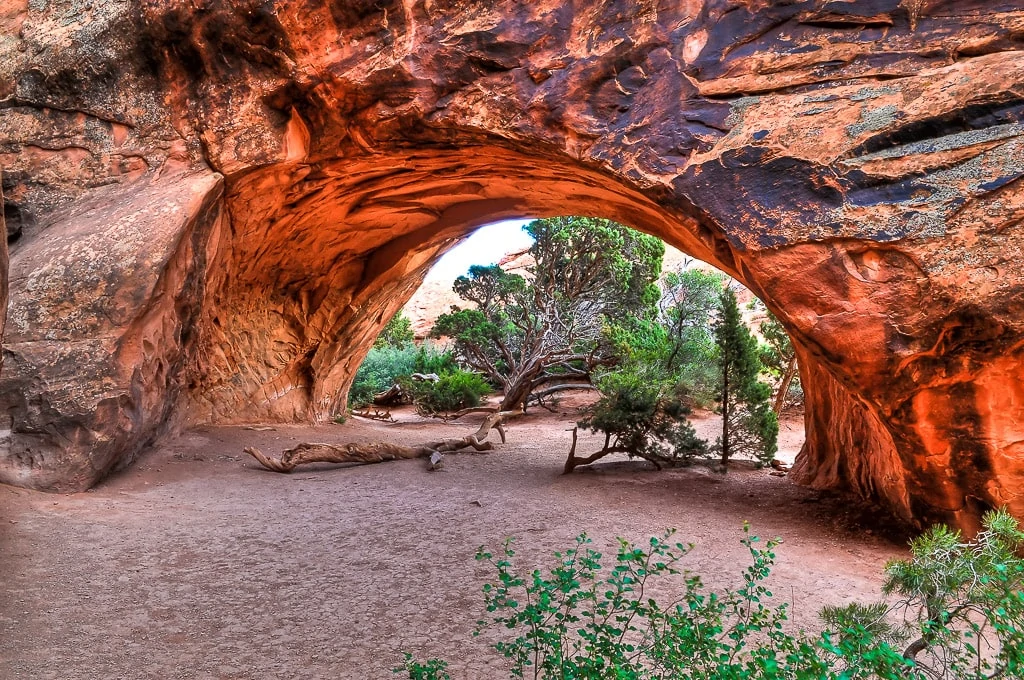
(748, 424)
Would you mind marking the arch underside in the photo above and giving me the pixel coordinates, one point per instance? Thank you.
(220, 236)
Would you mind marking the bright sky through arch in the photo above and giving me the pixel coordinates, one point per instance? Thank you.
(486, 245)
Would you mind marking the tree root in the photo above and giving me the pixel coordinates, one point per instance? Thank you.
(380, 452)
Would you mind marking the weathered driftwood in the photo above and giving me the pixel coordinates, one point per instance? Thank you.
(396, 394)
(379, 452)
(391, 396)
(374, 413)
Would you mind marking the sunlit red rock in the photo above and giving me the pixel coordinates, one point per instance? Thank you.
(220, 203)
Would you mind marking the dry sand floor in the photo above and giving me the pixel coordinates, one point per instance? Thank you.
(194, 563)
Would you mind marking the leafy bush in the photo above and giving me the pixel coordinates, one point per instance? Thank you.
(578, 621)
(532, 334)
(385, 365)
(961, 607)
(778, 357)
(432, 669)
(962, 614)
(455, 389)
(698, 381)
(379, 371)
(431, 358)
(688, 363)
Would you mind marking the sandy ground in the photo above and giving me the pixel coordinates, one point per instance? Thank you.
(196, 564)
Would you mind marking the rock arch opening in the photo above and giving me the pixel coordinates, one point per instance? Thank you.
(326, 292)
(668, 338)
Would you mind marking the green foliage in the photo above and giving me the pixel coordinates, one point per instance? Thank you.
(960, 612)
(432, 669)
(961, 616)
(678, 344)
(396, 333)
(455, 389)
(778, 357)
(383, 366)
(778, 348)
(749, 427)
(689, 305)
(580, 621)
(433, 359)
(598, 261)
(524, 332)
(645, 416)
(690, 302)
(379, 371)
(664, 365)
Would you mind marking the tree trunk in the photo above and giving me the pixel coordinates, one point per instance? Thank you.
(378, 452)
(787, 378)
(516, 396)
(725, 415)
(572, 461)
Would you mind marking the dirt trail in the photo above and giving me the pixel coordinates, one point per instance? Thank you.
(196, 564)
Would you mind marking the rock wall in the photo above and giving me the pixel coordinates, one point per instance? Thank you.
(220, 203)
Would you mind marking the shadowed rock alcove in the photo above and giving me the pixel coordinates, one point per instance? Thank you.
(220, 206)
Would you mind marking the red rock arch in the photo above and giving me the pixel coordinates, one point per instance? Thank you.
(220, 210)
(333, 288)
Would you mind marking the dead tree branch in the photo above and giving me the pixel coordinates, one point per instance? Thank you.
(380, 452)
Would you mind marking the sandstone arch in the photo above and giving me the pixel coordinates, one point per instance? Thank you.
(219, 204)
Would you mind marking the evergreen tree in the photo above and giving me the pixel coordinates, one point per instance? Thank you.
(748, 424)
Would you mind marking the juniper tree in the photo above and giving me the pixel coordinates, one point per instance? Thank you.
(396, 333)
(541, 332)
(748, 424)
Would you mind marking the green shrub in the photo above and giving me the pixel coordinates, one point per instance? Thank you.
(960, 612)
(431, 358)
(580, 620)
(379, 371)
(644, 416)
(454, 390)
(432, 669)
(385, 365)
(688, 361)
(961, 617)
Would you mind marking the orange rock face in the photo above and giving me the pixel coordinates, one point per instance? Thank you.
(220, 203)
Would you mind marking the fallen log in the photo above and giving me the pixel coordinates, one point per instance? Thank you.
(390, 397)
(380, 452)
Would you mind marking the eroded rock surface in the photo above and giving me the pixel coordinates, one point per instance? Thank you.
(220, 203)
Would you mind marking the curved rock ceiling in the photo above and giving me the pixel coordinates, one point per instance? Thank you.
(219, 203)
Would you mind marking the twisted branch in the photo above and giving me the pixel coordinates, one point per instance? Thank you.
(380, 452)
